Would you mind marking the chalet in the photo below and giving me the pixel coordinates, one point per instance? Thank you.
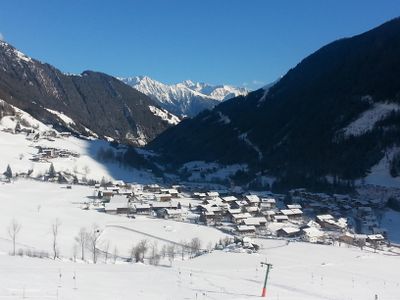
(118, 205)
(292, 213)
(280, 218)
(288, 232)
(163, 197)
(152, 188)
(312, 234)
(142, 209)
(252, 200)
(246, 230)
(106, 195)
(197, 195)
(212, 194)
(229, 199)
(353, 238)
(269, 214)
(166, 213)
(238, 204)
(228, 215)
(159, 205)
(173, 192)
(328, 221)
(375, 238)
(237, 218)
(257, 222)
(252, 210)
(268, 203)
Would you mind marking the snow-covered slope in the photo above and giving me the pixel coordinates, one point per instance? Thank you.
(301, 271)
(186, 98)
(79, 157)
(367, 120)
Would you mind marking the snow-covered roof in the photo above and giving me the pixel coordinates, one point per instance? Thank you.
(241, 216)
(290, 230)
(268, 200)
(294, 206)
(252, 198)
(229, 198)
(246, 228)
(256, 221)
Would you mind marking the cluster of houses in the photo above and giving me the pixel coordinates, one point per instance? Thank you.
(45, 153)
(360, 209)
(148, 200)
(243, 214)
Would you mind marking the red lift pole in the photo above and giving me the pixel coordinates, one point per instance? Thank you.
(264, 290)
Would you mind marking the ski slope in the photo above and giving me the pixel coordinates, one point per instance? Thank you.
(300, 270)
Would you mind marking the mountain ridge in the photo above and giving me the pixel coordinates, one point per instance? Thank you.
(93, 100)
(186, 98)
(297, 125)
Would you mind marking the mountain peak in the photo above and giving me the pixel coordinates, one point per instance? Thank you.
(184, 98)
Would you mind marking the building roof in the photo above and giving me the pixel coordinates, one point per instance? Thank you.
(246, 228)
(281, 217)
(294, 206)
(289, 230)
(229, 198)
(252, 198)
(254, 221)
(268, 200)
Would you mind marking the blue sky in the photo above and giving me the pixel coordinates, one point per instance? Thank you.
(240, 42)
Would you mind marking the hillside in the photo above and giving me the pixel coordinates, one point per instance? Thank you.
(330, 119)
(186, 98)
(30, 147)
(90, 104)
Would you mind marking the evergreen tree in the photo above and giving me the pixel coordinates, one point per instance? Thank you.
(8, 172)
(52, 171)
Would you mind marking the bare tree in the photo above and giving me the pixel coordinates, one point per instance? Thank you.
(143, 247)
(93, 237)
(171, 253)
(115, 254)
(183, 249)
(106, 249)
(55, 227)
(154, 255)
(81, 239)
(13, 231)
(138, 251)
(195, 246)
(135, 254)
(163, 252)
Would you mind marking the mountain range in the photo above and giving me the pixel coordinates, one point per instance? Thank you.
(328, 121)
(186, 98)
(89, 104)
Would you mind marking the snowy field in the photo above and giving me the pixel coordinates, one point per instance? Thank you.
(36, 206)
(300, 270)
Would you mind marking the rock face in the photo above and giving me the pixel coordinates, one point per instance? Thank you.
(91, 103)
(329, 119)
(186, 98)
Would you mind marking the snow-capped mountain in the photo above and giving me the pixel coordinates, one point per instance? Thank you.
(186, 98)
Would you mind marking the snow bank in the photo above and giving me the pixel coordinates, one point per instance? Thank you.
(369, 118)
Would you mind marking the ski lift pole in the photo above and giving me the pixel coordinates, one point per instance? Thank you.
(264, 290)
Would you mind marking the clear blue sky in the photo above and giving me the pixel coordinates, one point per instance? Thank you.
(237, 42)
